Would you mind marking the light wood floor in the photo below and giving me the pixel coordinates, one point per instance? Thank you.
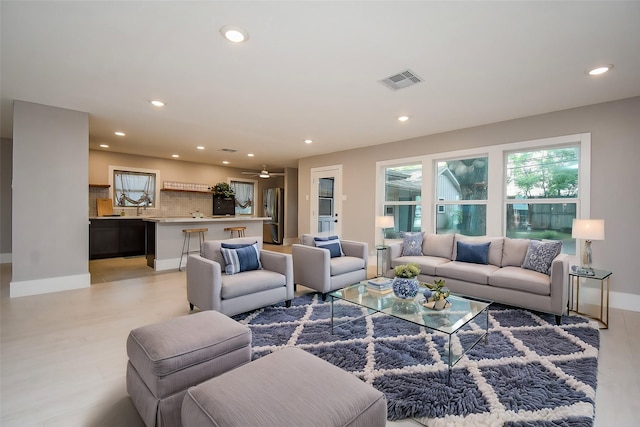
(64, 357)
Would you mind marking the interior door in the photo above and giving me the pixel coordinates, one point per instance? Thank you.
(326, 200)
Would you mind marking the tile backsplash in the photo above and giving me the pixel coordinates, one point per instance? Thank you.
(171, 203)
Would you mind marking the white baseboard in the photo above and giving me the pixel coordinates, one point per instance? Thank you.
(48, 285)
(169, 264)
(621, 300)
(5, 258)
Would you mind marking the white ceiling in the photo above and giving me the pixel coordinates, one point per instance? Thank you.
(309, 70)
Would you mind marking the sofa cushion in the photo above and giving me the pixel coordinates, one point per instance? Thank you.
(438, 245)
(345, 264)
(412, 244)
(427, 264)
(250, 282)
(240, 257)
(514, 252)
(521, 279)
(475, 253)
(475, 273)
(540, 255)
(331, 243)
(495, 249)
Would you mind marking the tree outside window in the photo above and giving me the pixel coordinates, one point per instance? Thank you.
(542, 194)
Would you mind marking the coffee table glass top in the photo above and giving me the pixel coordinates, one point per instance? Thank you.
(448, 320)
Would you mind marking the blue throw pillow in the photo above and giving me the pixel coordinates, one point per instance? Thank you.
(331, 243)
(240, 258)
(412, 244)
(540, 255)
(476, 253)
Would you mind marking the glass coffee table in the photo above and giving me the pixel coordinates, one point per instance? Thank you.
(448, 321)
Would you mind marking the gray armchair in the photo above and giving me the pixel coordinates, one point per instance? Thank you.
(314, 268)
(209, 288)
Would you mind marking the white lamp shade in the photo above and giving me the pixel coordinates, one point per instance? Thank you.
(588, 229)
(384, 221)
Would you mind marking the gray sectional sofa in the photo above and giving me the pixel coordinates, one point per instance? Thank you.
(501, 279)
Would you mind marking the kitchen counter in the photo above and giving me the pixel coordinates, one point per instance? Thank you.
(165, 237)
(205, 219)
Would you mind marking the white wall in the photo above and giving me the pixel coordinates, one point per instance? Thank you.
(50, 198)
(6, 168)
(615, 154)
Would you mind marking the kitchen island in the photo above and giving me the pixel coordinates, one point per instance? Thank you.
(165, 237)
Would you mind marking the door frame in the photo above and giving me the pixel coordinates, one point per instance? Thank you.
(335, 172)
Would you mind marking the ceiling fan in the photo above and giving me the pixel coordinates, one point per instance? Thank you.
(264, 173)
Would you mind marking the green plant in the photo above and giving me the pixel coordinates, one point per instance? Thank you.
(223, 189)
(407, 271)
(438, 290)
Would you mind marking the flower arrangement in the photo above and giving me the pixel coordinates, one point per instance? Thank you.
(223, 189)
(436, 292)
(407, 271)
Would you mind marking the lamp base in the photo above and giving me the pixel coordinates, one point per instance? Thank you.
(587, 259)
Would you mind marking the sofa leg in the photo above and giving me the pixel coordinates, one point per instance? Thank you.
(558, 319)
(324, 296)
(190, 306)
(287, 303)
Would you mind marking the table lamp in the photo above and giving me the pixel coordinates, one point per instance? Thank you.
(588, 229)
(383, 222)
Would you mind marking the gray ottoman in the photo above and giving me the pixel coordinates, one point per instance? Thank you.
(289, 387)
(167, 358)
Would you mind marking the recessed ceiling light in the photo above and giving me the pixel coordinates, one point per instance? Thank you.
(200, 147)
(403, 118)
(250, 155)
(600, 70)
(119, 133)
(225, 162)
(175, 156)
(234, 34)
(157, 103)
(104, 146)
(308, 141)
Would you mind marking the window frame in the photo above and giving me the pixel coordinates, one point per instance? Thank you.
(114, 195)
(255, 191)
(496, 181)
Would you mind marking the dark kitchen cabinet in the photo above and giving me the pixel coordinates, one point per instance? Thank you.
(111, 238)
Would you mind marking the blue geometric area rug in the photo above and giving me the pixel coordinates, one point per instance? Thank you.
(530, 373)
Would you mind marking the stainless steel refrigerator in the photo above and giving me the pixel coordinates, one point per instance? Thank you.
(273, 229)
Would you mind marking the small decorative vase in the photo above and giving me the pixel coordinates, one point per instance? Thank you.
(405, 288)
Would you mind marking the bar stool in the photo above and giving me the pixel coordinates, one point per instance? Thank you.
(187, 241)
(239, 230)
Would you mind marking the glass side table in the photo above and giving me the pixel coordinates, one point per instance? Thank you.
(574, 281)
(381, 260)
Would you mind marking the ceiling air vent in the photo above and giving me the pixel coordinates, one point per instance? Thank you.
(228, 150)
(401, 80)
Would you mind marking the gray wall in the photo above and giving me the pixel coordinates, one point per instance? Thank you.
(50, 196)
(615, 149)
(6, 167)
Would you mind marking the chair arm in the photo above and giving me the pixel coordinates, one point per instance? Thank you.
(279, 263)
(204, 283)
(559, 285)
(311, 265)
(356, 249)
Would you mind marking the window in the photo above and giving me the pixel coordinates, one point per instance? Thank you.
(533, 189)
(542, 194)
(244, 196)
(462, 179)
(403, 198)
(134, 188)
